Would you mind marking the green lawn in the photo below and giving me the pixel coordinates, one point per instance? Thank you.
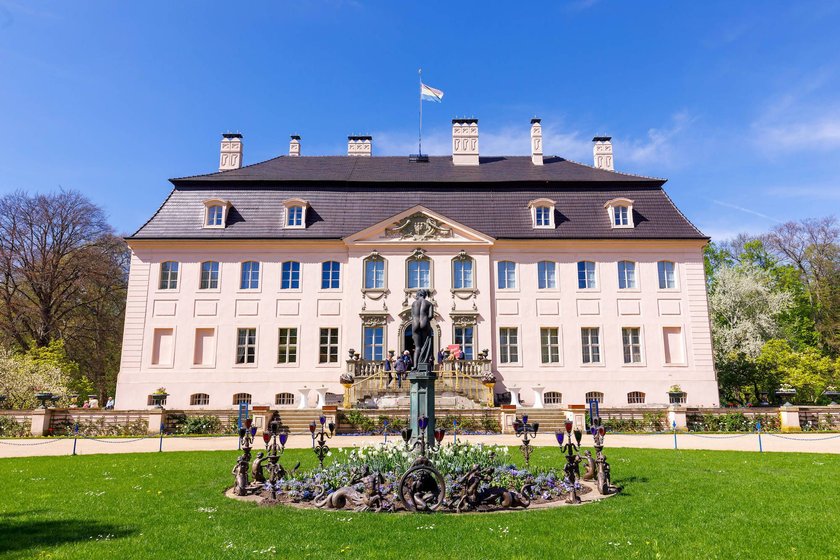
(675, 504)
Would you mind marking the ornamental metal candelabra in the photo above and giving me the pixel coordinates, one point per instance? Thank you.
(319, 438)
(601, 466)
(526, 432)
(240, 471)
(572, 459)
(271, 438)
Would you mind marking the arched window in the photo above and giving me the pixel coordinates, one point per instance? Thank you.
(250, 278)
(284, 399)
(215, 213)
(586, 275)
(542, 213)
(463, 267)
(290, 276)
(168, 275)
(199, 399)
(418, 271)
(507, 275)
(374, 272)
(626, 275)
(620, 212)
(667, 275)
(209, 276)
(546, 275)
(553, 397)
(295, 213)
(241, 398)
(596, 396)
(635, 397)
(330, 275)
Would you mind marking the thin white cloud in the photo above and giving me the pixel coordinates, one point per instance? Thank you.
(746, 210)
(659, 147)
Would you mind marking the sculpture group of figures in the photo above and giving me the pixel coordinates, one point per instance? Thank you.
(263, 463)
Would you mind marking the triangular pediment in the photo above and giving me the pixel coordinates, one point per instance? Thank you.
(418, 225)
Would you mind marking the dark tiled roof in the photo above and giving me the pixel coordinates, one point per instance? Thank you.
(393, 169)
(339, 209)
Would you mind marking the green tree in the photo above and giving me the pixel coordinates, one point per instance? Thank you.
(807, 369)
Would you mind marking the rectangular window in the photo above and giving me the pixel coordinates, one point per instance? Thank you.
(214, 216)
(209, 276)
(543, 216)
(328, 347)
(418, 274)
(621, 215)
(290, 276)
(205, 347)
(330, 274)
(287, 346)
(546, 272)
(168, 275)
(667, 275)
(674, 353)
(464, 337)
(550, 345)
(462, 270)
(295, 218)
(591, 344)
(632, 341)
(163, 346)
(508, 345)
(586, 275)
(250, 279)
(507, 275)
(246, 346)
(626, 275)
(374, 347)
(374, 274)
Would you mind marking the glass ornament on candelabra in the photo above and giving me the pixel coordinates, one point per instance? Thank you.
(571, 449)
(526, 432)
(319, 438)
(405, 433)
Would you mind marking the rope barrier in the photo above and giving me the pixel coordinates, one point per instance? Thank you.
(31, 444)
(717, 436)
(835, 436)
(99, 440)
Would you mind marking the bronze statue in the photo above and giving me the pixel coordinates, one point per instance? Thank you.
(590, 466)
(240, 471)
(257, 468)
(422, 313)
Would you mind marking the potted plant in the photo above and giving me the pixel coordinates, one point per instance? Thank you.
(346, 380)
(488, 379)
(786, 392)
(43, 396)
(159, 397)
(830, 392)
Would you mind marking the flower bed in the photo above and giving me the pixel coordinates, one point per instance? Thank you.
(354, 470)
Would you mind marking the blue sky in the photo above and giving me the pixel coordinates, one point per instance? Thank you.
(736, 103)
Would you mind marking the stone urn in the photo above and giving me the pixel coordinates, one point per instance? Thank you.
(346, 380)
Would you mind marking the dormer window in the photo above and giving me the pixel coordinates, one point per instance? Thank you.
(542, 213)
(295, 213)
(215, 213)
(620, 211)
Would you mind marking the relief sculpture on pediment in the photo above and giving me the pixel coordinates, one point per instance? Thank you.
(418, 227)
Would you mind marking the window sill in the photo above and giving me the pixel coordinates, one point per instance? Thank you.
(161, 366)
(551, 365)
(208, 291)
(245, 366)
(292, 365)
(328, 365)
(629, 290)
(593, 365)
(249, 291)
(290, 290)
(203, 366)
(510, 365)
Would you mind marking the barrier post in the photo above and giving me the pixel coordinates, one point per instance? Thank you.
(160, 446)
(75, 436)
(454, 431)
(385, 429)
(758, 429)
(674, 426)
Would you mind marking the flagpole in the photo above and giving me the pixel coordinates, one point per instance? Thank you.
(420, 130)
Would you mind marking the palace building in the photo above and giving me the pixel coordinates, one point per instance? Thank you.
(272, 283)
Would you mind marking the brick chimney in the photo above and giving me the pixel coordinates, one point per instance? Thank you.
(465, 141)
(603, 153)
(536, 142)
(231, 152)
(294, 146)
(359, 146)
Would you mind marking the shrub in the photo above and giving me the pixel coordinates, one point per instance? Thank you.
(200, 425)
(10, 427)
(98, 428)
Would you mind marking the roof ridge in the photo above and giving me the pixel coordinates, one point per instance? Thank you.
(651, 177)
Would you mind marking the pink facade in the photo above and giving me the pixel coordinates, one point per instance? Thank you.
(580, 282)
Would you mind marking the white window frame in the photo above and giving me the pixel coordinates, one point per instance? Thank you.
(612, 205)
(330, 343)
(554, 268)
(213, 203)
(586, 276)
(250, 277)
(636, 396)
(295, 203)
(659, 277)
(624, 263)
(169, 277)
(374, 258)
(330, 287)
(209, 288)
(192, 399)
(296, 346)
(374, 346)
(558, 346)
(588, 344)
(468, 349)
(587, 397)
(505, 347)
(547, 204)
(641, 345)
(417, 261)
(256, 344)
(292, 273)
(463, 260)
(507, 287)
